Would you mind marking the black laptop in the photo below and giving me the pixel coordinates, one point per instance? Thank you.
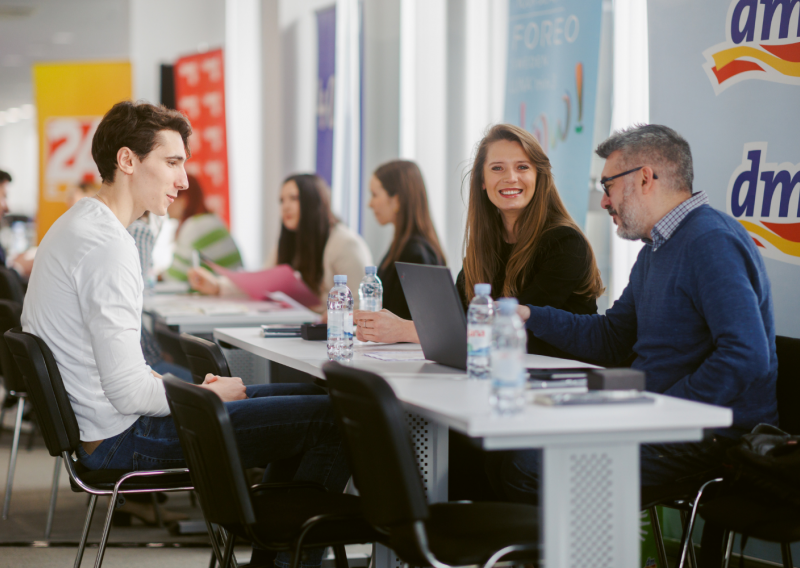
(437, 312)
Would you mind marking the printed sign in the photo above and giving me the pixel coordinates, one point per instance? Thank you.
(71, 99)
(553, 57)
(200, 95)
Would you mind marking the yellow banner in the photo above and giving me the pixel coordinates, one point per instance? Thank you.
(71, 98)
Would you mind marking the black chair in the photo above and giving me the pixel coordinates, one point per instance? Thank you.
(62, 437)
(11, 285)
(386, 474)
(753, 512)
(274, 516)
(15, 386)
(203, 357)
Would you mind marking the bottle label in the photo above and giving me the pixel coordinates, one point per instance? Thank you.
(335, 323)
(479, 340)
(507, 367)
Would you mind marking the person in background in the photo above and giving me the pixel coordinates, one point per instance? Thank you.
(5, 179)
(398, 197)
(199, 230)
(145, 238)
(520, 238)
(312, 241)
(83, 189)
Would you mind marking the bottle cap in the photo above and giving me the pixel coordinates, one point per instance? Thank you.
(340, 279)
(483, 289)
(507, 306)
(370, 270)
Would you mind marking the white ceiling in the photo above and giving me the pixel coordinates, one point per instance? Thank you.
(34, 31)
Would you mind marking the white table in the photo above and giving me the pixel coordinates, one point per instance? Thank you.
(201, 314)
(590, 498)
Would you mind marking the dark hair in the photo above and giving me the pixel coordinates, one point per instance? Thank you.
(546, 211)
(403, 179)
(302, 249)
(4, 176)
(135, 126)
(656, 146)
(196, 203)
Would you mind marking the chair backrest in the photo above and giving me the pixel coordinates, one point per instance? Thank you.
(10, 313)
(210, 450)
(203, 357)
(788, 389)
(381, 455)
(46, 391)
(11, 285)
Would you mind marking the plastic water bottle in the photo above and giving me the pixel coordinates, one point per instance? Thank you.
(340, 320)
(508, 350)
(370, 291)
(479, 332)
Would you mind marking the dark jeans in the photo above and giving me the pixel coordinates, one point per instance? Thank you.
(291, 424)
(515, 475)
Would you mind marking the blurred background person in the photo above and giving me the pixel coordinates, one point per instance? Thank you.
(398, 197)
(199, 230)
(312, 241)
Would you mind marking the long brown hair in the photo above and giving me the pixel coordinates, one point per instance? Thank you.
(195, 201)
(302, 249)
(403, 179)
(546, 211)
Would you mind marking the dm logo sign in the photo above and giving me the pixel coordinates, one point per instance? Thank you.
(763, 43)
(765, 199)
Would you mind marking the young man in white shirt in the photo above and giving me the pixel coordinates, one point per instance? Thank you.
(84, 300)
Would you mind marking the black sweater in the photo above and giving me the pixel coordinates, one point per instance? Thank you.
(417, 251)
(553, 273)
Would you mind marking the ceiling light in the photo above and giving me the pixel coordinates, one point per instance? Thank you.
(12, 115)
(26, 111)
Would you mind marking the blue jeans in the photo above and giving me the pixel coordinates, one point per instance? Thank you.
(514, 475)
(279, 424)
(164, 367)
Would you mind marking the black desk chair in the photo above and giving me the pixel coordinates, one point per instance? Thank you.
(62, 437)
(274, 516)
(15, 386)
(386, 474)
(203, 357)
(11, 285)
(754, 512)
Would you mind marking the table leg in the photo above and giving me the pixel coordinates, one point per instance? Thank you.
(431, 448)
(590, 506)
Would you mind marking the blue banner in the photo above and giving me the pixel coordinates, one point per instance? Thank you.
(326, 33)
(551, 86)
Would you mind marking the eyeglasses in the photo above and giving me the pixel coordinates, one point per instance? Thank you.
(604, 181)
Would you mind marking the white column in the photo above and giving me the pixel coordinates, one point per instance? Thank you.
(347, 114)
(273, 142)
(243, 106)
(631, 106)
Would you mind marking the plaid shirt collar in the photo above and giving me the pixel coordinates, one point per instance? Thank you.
(670, 222)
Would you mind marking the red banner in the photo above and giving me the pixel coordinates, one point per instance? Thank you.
(200, 95)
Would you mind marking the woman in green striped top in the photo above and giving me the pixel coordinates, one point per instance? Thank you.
(199, 230)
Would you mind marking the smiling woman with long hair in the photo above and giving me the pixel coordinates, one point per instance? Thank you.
(519, 238)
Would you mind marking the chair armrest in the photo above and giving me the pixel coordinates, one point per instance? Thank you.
(287, 485)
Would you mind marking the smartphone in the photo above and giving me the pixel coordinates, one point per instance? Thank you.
(593, 397)
(280, 330)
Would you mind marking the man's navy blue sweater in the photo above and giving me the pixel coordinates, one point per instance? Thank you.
(698, 316)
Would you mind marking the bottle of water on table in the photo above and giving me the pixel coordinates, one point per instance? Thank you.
(508, 351)
(370, 291)
(479, 332)
(340, 320)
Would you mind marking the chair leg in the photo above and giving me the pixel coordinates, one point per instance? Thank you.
(340, 556)
(226, 560)
(157, 511)
(106, 529)
(51, 512)
(786, 555)
(688, 544)
(659, 537)
(216, 555)
(87, 524)
(12, 462)
(729, 538)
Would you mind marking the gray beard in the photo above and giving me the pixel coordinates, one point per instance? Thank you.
(630, 217)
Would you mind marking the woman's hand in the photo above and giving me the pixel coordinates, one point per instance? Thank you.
(384, 327)
(524, 312)
(203, 281)
(226, 388)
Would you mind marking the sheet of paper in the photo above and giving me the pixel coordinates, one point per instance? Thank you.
(259, 285)
(396, 355)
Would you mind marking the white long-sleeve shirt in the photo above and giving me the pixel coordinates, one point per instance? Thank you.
(84, 300)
